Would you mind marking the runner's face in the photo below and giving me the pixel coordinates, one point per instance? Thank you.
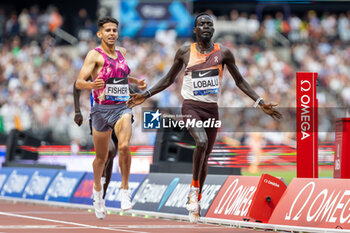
(109, 33)
(205, 28)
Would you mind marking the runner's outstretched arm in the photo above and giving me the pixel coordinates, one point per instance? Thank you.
(229, 61)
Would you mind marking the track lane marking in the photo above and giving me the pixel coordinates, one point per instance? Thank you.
(52, 212)
(29, 226)
(10, 227)
(159, 226)
(66, 222)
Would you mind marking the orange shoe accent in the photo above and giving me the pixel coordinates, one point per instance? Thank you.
(195, 183)
(199, 196)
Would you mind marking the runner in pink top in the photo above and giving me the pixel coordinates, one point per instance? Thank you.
(115, 74)
(109, 71)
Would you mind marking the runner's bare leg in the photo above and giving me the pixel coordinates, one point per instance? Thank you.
(123, 132)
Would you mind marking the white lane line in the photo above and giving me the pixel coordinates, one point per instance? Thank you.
(38, 227)
(51, 212)
(163, 226)
(29, 226)
(66, 222)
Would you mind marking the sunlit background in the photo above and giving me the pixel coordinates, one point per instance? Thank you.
(43, 45)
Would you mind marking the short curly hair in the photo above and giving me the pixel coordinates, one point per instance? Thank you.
(106, 19)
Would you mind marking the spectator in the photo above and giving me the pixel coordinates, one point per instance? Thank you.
(55, 19)
(24, 21)
(344, 27)
(12, 25)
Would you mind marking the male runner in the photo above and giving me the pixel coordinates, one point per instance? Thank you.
(109, 71)
(113, 144)
(204, 62)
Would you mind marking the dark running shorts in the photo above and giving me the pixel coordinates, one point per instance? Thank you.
(114, 137)
(198, 110)
(104, 117)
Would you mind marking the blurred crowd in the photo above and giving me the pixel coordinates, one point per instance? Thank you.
(30, 24)
(37, 74)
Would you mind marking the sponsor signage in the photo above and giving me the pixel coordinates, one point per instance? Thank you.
(316, 203)
(140, 18)
(176, 203)
(113, 191)
(269, 192)
(234, 198)
(83, 194)
(16, 182)
(155, 190)
(167, 193)
(153, 10)
(4, 174)
(63, 186)
(39, 183)
(307, 125)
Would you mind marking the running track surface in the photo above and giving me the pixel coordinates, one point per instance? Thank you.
(34, 218)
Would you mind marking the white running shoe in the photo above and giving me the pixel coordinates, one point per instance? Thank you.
(125, 203)
(192, 201)
(193, 205)
(194, 216)
(99, 204)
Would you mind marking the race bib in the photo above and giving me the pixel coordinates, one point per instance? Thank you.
(205, 82)
(117, 89)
